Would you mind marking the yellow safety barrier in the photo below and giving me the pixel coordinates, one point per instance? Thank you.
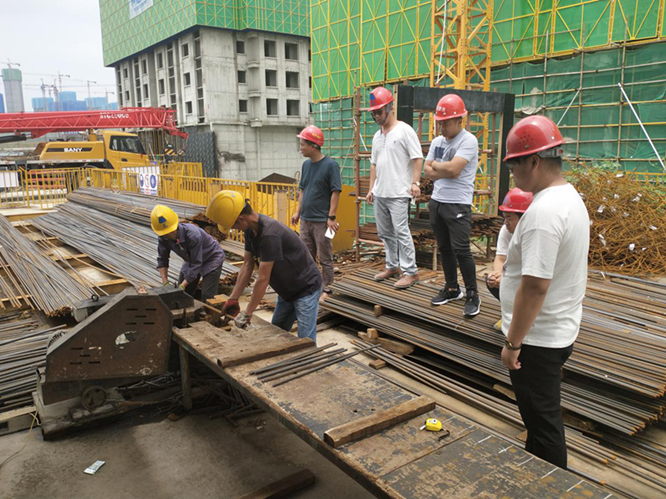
(182, 168)
(276, 200)
(38, 188)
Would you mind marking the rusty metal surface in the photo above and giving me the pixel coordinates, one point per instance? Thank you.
(390, 463)
(127, 338)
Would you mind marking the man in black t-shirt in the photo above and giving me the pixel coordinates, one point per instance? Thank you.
(319, 193)
(284, 263)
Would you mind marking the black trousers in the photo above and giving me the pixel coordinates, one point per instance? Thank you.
(493, 291)
(452, 224)
(537, 388)
(209, 284)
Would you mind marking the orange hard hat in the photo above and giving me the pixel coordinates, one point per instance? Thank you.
(312, 133)
(379, 97)
(532, 135)
(517, 201)
(450, 106)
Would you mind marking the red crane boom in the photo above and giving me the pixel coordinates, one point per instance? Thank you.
(38, 124)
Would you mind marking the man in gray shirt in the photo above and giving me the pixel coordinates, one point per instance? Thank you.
(451, 163)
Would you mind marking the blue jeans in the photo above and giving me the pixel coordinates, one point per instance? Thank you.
(304, 309)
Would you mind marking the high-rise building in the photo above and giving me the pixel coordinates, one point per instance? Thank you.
(243, 73)
(42, 104)
(13, 81)
(2, 104)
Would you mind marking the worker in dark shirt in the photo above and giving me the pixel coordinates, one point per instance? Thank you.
(318, 197)
(201, 254)
(284, 263)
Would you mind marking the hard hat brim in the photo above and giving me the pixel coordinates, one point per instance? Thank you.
(223, 230)
(169, 229)
(444, 118)
(522, 154)
(511, 210)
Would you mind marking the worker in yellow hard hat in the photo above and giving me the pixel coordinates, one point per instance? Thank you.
(202, 255)
(284, 262)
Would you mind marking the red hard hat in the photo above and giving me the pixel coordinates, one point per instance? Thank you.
(312, 133)
(450, 106)
(379, 97)
(517, 201)
(532, 135)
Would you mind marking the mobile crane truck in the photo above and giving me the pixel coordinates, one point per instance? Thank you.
(105, 147)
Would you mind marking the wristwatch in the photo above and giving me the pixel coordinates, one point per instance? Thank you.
(417, 184)
(510, 346)
(331, 217)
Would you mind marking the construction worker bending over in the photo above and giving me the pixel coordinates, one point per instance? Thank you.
(284, 263)
(395, 172)
(318, 196)
(201, 254)
(543, 283)
(451, 163)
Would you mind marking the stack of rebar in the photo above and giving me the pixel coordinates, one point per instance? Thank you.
(615, 377)
(31, 277)
(130, 205)
(22, 350)
(305, 363)
(127, 249)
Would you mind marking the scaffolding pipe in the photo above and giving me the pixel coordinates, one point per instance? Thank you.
(641, 124)
(568, 107)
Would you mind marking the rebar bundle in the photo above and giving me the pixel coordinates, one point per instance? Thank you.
(628, 222)
(615, 377)
(32, 276)
(22, 350)
(130, 205)
(127, 249)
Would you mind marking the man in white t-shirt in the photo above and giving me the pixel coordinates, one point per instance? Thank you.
(543, 284)
(514, 205)
(451, 163)
(395, 171)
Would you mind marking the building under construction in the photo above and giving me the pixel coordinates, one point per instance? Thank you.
(108, 368)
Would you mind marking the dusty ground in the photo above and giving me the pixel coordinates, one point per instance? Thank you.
(194, 457)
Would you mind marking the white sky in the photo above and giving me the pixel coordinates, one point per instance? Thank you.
(47, 36)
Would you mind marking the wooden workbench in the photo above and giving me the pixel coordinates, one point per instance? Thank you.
(399, 462)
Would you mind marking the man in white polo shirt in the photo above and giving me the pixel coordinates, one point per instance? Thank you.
(451, 164)
(543, 283)
(395, 172)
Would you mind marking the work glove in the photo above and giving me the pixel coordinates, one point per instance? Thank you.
(231, 308)
(242, 320)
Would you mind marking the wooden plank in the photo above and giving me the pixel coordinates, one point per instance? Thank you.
(284, 487)
(377, 364)
(378, 310)
(374, 423)
(372, 332)
(237, 347)
(395, 346)
(16, 420)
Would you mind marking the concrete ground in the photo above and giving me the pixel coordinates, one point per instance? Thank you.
(194, 457)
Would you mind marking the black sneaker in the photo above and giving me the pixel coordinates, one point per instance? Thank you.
(472, 305)
(446, 295)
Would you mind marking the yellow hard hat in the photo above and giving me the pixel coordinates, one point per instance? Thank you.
(163, 219)
(224, 209)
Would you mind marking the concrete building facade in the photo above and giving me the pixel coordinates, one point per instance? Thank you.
(252, 88)
(13, 82)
